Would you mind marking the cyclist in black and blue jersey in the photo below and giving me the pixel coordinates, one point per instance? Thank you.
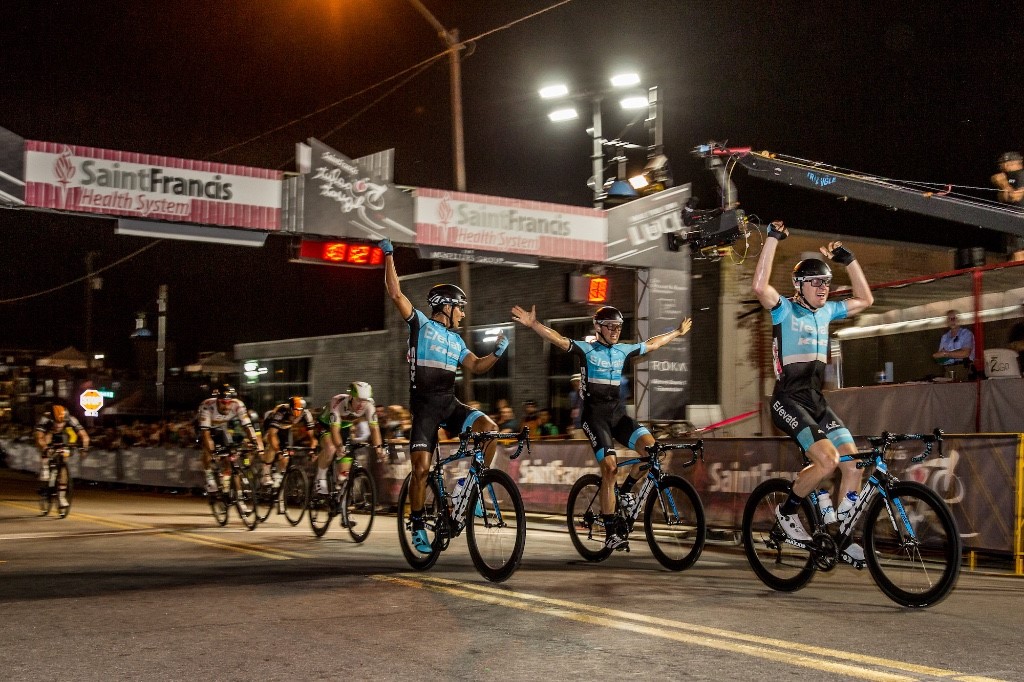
(435, 352)
(604, 417)
(800, 349)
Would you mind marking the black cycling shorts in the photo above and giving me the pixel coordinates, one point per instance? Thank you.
(430, 412)
(807, 425)
(605, 424)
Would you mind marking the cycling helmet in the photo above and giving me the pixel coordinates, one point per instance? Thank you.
(59, 413)
(607, 315)
(360, 390)
(810, 268)
(225, 392)
(441, 295)
(297, 404)
(1010, 156)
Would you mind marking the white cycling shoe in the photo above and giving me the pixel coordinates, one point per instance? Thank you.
(792, 526)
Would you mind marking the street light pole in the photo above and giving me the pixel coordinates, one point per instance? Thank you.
(597, 156)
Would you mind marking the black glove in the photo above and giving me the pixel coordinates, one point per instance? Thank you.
(774, 232)
(842, 255)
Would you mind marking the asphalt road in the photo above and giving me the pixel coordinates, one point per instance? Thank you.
(143, 586)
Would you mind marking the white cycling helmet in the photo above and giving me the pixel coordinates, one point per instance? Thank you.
(361, 390)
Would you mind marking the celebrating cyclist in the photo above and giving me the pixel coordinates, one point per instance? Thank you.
(435, 352)
(216, 415)
(337, 418)
(800, 349)
(58, 427)
(604, 417)
(284, 418)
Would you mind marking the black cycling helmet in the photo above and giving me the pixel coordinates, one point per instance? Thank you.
(441, 295)
(810, 268)
(225, 392)
(1010, 156)
(607, 315)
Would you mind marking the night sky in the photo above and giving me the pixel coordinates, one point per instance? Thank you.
(917, 91)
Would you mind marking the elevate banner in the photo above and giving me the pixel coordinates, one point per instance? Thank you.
(457, 220)
(88, 180)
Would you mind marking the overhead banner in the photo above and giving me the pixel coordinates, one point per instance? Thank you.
(88, 180)
(637, 229)
(12, 168)
(472, 256)
(456, 220)
(668, 369)
(356, 199)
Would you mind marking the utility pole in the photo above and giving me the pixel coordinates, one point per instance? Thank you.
(161, 345)
(451, 41)
(88, 311)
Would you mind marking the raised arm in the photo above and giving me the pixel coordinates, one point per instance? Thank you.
(765, 292)
(478, 365)
(394, 289)
(862, 297)
(656, 342)
(529, 318)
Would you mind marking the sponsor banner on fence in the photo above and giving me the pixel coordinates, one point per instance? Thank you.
(88, 180)
(342, 197)
(457, 220)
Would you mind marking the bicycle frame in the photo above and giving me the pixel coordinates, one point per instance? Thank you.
(655, 473)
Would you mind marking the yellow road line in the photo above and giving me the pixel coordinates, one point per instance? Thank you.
(794, 653)
(184, 536)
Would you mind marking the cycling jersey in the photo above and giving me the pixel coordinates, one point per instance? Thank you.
(57, 430)
(435, 353)
(801, 345)
(338, 410)
(601, 368)
(281, 418)
(209, 417)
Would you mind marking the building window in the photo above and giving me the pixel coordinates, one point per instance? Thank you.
(494, 384)
(269, 383)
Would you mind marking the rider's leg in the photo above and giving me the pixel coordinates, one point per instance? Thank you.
(824, 459)
(849, 487)
(609, 471)
(324, 459)
(418, 482)
(485, 423)
(635, 474)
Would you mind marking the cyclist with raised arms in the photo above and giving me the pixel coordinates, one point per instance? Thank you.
(435, 352)
(800, 349)
(283, 418)
(604, 417)
(336, 421)
(215, 416)
(57, 427)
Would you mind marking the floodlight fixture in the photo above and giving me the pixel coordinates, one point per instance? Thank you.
(634, 102)
(554, 91)
(622, 80)
(567, 114)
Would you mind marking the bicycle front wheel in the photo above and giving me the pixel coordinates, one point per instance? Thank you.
(266, 498)
(294, 495)
(432, 519)
(583, 516)
(244, 492)
(912, 545)
(778, 564)
(496, 527)
(674, 523)
(360, 503)
(320, 509)
(47, 494)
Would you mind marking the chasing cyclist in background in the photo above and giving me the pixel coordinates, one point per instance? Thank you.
(603, 415)
(337, 418)
(215, 417)
(800, 350)
(58, 427)
(283, 418)
(435, 352)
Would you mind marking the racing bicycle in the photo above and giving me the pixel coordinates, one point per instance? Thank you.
(50, 489)
(496, 526)
(289, 494)
(354, 498)
(673, 516)
(236, 485)
(911, 543)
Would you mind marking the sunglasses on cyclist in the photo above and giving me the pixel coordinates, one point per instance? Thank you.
(818, 281)
(611, 326)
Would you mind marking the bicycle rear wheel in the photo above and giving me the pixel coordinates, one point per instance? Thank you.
(912, 545)
(778, 564)
(244, 493)
(219, 506)
(360, 503)
(674, 523)
(583, 516)
(294, 495)
(496, 538)
(47, 495)
(320, 509)
(432, 519)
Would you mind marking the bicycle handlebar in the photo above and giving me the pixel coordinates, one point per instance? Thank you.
(481, 438)
(880, 444)
(696, 449)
